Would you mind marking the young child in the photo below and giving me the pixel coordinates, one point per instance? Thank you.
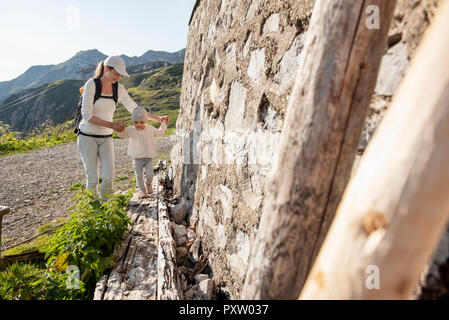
(141, 148)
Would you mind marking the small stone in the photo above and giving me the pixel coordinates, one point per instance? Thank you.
(181, 253)
(181, 241)
(191, 235)
(200, 277)
(190, 293)
(206, 289)
(195, 249)
(179, 212)
(179, 231)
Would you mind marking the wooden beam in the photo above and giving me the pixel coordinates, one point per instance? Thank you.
(395, 208)
(318, 144)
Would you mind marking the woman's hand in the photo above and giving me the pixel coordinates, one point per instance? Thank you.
(165, 118)
(118, 126)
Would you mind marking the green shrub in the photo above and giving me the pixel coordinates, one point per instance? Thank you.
(87, 240)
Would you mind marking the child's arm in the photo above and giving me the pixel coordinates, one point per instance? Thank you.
(125, 134)
(160, 132)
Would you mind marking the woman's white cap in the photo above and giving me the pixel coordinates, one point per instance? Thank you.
(117, 63)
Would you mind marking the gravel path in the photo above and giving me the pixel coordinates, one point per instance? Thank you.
(36, 186)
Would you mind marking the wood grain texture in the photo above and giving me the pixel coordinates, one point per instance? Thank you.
(396, 207)
(318, 144)
(169, 284)
(134, 276)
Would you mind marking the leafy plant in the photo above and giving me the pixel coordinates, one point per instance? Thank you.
(88, 238)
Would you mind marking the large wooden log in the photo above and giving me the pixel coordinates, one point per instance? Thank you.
(318, 144)
(168, 285)
(395, 208)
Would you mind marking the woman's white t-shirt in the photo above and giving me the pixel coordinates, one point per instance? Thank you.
(103, 108)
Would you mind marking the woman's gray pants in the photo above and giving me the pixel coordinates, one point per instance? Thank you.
(141, 164)
(94, 151)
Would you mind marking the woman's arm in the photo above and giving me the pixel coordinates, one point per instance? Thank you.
(125, 134)
(120, 126)
(130, 104)
(88, 106)
(155, 118)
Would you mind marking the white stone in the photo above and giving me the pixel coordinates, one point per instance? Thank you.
(194, 249)
(238, 261)
(221, 237)
(213, 91)
(252, 10)
(230, 52)
(212, 32)
(247, 44)
(392, 69)
(288, 67)
(262, 147)
(236, 109)
(235, 148)
(203, 171)
(205, 289)
(271, 24)
(200, 277)
(256, 65)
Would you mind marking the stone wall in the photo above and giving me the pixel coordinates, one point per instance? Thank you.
(240, 64)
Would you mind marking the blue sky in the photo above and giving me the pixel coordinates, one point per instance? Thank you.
(49, 32)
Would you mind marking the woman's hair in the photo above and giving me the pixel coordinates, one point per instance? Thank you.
(100, 69)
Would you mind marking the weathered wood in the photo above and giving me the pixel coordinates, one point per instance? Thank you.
(3, 210)
(395, 208)
(168, 285)
(34, 255)
(135, 275)
(318, 144)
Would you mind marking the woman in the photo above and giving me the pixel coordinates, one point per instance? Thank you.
(95, 141)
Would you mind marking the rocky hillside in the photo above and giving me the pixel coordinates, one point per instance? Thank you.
(80, 67)
(54, 103)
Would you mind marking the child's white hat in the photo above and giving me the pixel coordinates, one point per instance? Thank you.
(139, 114)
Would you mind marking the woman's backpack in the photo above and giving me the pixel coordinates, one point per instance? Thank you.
(98, 88)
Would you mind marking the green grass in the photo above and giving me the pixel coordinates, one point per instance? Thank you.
(76, 186)
(40, 244)
(19, 281)
(46, 136)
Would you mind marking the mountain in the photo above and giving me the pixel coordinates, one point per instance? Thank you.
(52, 102)
(150, 55)
(158, 87)
(80, 67)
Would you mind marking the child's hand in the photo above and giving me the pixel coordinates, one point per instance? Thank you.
(119, 127)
